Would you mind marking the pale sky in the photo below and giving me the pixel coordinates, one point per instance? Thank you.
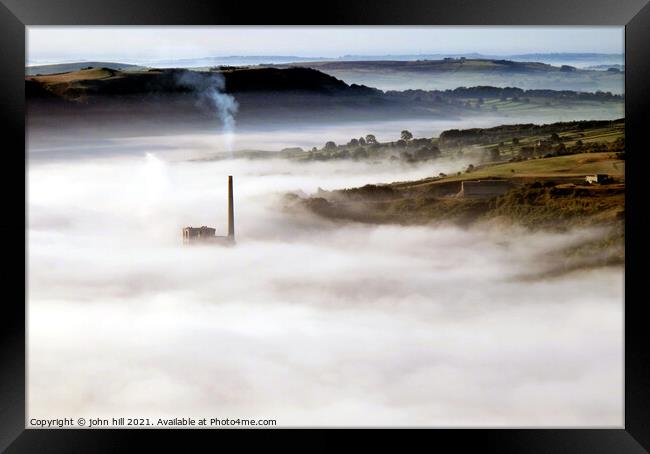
(144, 44)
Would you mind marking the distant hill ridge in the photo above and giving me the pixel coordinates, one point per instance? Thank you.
(423, 74)
(450, 73)
(523, 62)
(445, 64)
(271, 94)
(86, 84)
(586, 58)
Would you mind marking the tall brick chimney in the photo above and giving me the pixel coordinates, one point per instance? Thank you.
(231, 212)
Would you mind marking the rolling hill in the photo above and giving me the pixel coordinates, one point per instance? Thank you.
(35, 70)
(547, 190)
(450, 73)
(269, 94)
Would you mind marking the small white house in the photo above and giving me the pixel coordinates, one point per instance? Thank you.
(599, 178)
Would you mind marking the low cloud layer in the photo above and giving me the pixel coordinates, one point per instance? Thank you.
(304, 321)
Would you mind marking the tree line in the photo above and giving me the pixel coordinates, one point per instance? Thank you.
(407, 148)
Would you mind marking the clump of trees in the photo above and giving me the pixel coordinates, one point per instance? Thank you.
(407, 148)
(494, 153)
(482, 92)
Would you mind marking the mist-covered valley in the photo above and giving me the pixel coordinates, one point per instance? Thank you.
(420, 238)
(306, 320)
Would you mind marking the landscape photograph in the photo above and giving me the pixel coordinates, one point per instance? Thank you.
(387, 226)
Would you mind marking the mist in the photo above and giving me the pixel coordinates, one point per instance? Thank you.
(180, 141)
(306, 321)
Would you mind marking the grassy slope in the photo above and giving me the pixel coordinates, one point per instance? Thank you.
(546, 110)
(577, 165)
(547, 193)
(554, 205)
(69, 67)
(168, 80)
(75, 76)
(433, 65)
(604, 134)
(73, 85)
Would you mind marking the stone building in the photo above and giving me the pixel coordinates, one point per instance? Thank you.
(599, 178)
(203, 233)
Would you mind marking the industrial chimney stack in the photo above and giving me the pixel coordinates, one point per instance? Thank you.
(205, 234)
(231, 212)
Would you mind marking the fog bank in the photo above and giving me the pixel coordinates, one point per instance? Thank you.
(304, 321)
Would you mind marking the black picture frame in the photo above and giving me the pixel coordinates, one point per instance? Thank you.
(15, 15)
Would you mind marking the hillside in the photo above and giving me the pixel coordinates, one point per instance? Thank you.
(547, 188)
(450, 73)
(546, 194)
(187, 97)
(97, 82)
(268, 94)
(443, 65)
(35, 70)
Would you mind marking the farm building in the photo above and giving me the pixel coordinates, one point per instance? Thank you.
(191, 234)
(599, 178)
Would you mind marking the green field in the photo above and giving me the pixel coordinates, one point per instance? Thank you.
(546, 192)
(560, 166)
(508, 149)
(76, 76)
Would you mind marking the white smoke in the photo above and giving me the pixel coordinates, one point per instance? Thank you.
(210, 86)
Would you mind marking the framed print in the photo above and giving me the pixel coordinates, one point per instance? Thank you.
(418, 216)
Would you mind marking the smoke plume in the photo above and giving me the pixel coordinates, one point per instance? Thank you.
(210, 86)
